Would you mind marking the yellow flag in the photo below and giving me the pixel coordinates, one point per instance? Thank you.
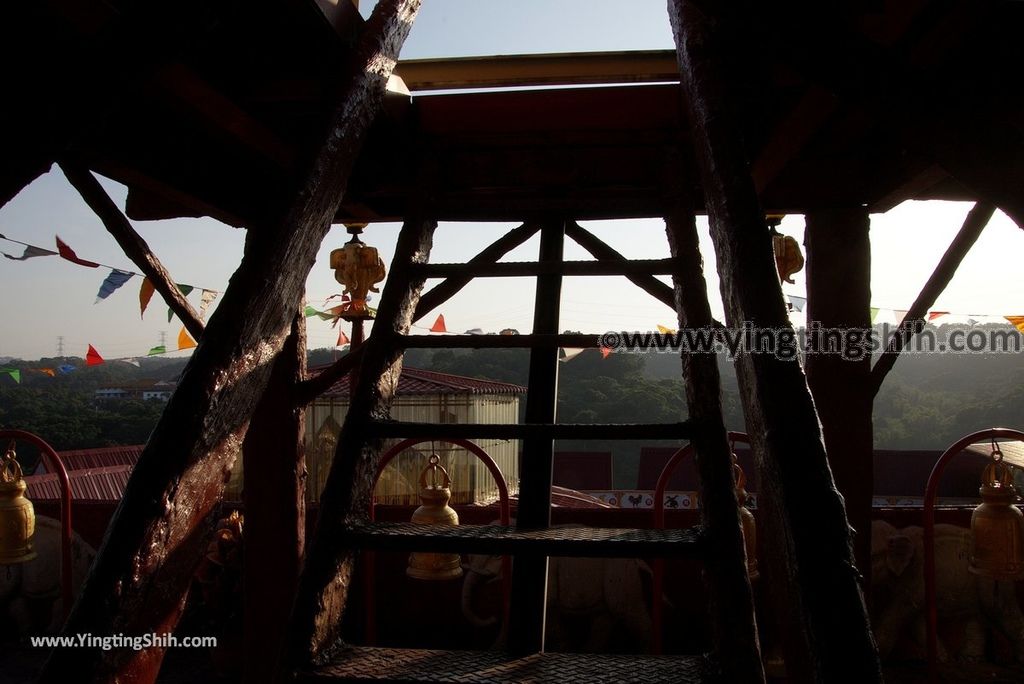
(145, 294)
(1018, 322)
(185, 341)
(665, 331)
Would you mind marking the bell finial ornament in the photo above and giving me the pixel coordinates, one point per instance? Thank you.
(997, 525)
(17, 516)
(435, 511)
(359, 268)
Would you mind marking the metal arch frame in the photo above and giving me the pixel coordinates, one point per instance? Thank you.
(930, 494)
(504, 515)
(55, 465)
(658, 579)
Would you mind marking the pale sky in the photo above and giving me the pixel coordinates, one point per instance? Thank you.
(49, 297)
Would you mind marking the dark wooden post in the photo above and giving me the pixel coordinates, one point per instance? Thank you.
(807, 537)
(315, 629)
(725, 574)
(839, 299)
(273, 456)
(530, 573)
(139, 581)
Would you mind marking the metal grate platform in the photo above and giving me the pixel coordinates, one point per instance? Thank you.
(364, 664)
(555, 541)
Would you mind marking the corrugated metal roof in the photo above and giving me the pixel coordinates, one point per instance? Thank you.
(415, 381)
(77, 459)
(87, 484)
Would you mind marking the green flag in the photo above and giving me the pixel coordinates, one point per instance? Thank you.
(157, 350)
(14, 373)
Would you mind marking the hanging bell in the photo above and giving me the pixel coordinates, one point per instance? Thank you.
(747, 523)
(17, 516)
(435, 511)
(997, 526)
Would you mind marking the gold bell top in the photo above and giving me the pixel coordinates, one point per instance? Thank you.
(997, 526)
(17, 516)
(435, 511)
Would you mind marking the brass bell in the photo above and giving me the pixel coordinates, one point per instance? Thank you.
(747, 523)
(17, 516)
(435, 511)
(997, 526)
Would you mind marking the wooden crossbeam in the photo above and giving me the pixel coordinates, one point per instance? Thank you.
(913, 321)
(601, 251)
(539, 268)
(550, 431)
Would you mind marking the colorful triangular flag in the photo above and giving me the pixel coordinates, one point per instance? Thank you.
(569, 353)
(30, 251)
(66, 368)
(798, 303)
(161, 349)
(170, 314)
(185, 289)
(145, 294)
(605, 351)
(342, 338)
(901, 314)
(932, 315)
(69, 254)
(116, 279)
(92, 357)
(52, 372)
(439, 326)
(665, 331)
(205, 299)
(1017, 321)
(185, 340)
(13, 372)
(874, 313)
(131, 362)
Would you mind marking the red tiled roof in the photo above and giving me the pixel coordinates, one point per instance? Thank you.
(77, 459)
(88, 484)
(414, 381)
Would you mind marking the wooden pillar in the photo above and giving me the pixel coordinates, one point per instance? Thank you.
(730, 599)
(806, 538)
(139, 580)
(275, 509)
(315, 628)
(839, 299)
(530, 573)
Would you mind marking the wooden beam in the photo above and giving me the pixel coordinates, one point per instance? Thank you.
(534, 431)
(839, 297)
(916, 184)
(274, 494)
(914, 320)
(730, 599)
(139, 580)
(530, 577)
(512, 269)
(442, 292)
(135, 248)
(791, 135)
(315, 627)
(601, 251)
(309, 389)
(811, 563)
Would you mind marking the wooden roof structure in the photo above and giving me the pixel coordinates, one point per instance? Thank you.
(848, 107)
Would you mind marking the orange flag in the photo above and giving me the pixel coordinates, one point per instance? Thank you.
(342, 338)
(932, 315)
(52, 372)
(665, 331)
(605, 351)
(185, 340)
(438, 326)
(92, 357)
(1018, 322)
(145, 294)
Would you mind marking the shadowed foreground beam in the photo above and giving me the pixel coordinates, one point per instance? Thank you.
(810, 557)
(139, 581)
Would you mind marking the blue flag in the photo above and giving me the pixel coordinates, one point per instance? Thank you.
(115, 280)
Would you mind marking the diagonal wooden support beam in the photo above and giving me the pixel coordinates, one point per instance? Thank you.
(601, 251)
(135, 248)
(315, 628)
(139, 581)
(730, 598)
(311, 388)
(810, 560)
(448, 288)
(913, 321)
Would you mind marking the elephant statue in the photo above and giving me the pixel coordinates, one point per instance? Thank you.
(30, 593)
(593, 604)
(897, 573)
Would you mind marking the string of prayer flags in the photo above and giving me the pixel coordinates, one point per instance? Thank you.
(69, 254)
(145, 294)
(342, 338)
(185, 340)
(13, 372)
(1017, 322)
(112, 282)
(205, 299)
(161, 349)
(30, 251)
(92, 357)
(439, 326)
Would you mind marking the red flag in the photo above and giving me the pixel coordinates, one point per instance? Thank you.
(605, 351)
(92, 357)
(439, 325)
(932, 315)
(69, 254)
(342, 338)
(145, 294)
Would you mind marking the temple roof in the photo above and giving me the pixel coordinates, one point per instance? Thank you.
(414, 381)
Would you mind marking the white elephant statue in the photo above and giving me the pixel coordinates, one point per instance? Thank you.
(897, 573)
(588, 601)
(30, 593)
